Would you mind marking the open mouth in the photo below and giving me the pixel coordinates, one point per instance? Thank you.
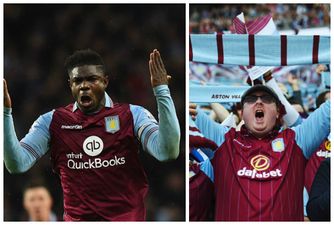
(259, 114)
(85, 101)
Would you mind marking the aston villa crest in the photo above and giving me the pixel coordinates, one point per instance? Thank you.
(112, 124)
(278, 145)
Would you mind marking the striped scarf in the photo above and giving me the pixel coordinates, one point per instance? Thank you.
(218, 93)
(259, 50)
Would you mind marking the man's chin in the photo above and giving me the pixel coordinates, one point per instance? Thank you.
(87, 108)
(259, 131)
(259, 127)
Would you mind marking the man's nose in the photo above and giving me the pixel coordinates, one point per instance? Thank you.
(258, 99)
(84, 85)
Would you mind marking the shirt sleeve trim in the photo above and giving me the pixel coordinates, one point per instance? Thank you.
(148, 134)
(30, 150)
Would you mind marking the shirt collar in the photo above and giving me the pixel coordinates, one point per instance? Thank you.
(109, 103)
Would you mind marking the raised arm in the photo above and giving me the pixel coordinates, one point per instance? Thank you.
(161, 139)
(292, 117)
(313, 130)
(220, 111)
(20, 156)
(209, 128)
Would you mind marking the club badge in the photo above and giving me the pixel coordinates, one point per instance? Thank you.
(278, 145)
(112, 124)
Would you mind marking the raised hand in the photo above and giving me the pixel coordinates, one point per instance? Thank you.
(157, 69)
(293, 81)
(6, 101)
(320, 68)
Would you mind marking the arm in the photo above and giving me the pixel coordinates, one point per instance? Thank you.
(220, 111)
(161, 141)
(313, 130)
(292, 117)
(200, 147)
(318, 206)
(20, 156)
(210, 129)
(207, 168)
(297, 95)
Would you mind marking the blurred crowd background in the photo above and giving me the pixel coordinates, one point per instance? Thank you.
(213, 18)
(290, 19)
(37, 40)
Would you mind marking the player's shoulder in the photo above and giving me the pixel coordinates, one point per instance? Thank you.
(45, 118)
(140, 112)
(137, 108)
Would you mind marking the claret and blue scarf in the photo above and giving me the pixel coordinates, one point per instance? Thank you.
(259, 50)
(252, 50)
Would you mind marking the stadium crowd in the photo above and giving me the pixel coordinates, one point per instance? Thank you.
(218, 18)
(304, 88)
(38, 38)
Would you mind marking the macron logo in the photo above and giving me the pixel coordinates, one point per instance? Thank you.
(71, 127)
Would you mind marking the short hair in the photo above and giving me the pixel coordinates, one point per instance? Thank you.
(35, 184)
(84, 57)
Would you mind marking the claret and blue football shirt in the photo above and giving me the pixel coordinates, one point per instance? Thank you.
(262, 179)
(96, 156)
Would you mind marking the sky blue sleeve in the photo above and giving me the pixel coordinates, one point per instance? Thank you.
(305, 199)
(207, 168)
(313, 130)
(298, 121)
(19, 156)
(161, 139)
(210, 129)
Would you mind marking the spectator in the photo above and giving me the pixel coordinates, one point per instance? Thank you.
(37, 202)
(254, 157)
(318, 206)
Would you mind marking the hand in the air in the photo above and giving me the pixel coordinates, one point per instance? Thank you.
(6, 101)
(157, 69)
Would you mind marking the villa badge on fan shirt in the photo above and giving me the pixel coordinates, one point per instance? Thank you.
(112, 124)
(278, 145)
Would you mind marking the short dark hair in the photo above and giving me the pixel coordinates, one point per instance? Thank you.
(35, 184)
(84, 57)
